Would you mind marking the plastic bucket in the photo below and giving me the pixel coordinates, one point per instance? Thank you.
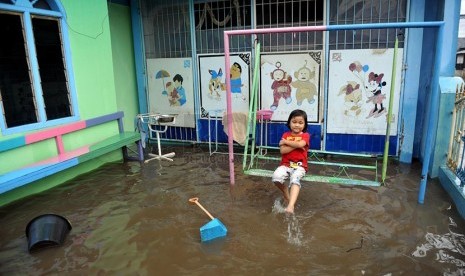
(47, 230)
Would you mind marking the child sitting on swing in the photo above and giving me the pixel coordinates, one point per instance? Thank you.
(293, 147)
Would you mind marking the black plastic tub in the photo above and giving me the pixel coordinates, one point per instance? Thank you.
(47, 230)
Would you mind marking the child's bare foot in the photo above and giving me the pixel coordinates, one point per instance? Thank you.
(289, 209)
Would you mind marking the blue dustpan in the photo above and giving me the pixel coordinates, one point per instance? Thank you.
(213, 229)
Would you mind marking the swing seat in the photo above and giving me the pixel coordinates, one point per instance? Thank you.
(319, 178)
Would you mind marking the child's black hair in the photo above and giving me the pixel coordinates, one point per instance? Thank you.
(295, 113)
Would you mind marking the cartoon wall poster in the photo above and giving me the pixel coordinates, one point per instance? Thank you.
(170, 89)
(213, 87)
(358, 91)
(290, 81)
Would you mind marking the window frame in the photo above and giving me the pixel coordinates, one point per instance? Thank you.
(27, 11)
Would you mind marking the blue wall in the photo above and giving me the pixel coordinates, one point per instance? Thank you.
(446, 70)
(432, 8)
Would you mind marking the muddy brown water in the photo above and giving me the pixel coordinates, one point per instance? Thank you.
(135, 219)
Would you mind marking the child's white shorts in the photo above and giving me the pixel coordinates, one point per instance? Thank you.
(283, 172)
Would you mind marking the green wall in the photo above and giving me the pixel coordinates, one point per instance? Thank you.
(89, 34)
(124, 63)
(103, 64)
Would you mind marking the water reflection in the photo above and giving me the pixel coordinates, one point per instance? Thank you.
(447, 248)
(135, 219)
(294, 223)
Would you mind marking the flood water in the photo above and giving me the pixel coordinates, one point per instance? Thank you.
(135, 219)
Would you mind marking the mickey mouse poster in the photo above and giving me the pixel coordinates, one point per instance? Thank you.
(359, 87)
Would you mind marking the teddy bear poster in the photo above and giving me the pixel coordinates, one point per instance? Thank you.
(359, 84)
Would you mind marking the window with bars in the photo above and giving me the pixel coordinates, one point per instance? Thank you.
(167, 33)
(288, 13)
(222, 14)
(166, 25)
(34, 87)
(342, 12)
(214, 17)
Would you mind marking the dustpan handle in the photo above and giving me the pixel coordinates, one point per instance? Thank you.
(196, 201)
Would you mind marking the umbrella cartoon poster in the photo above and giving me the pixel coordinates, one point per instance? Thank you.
(162, 74)
(170, 89)
(359, 91)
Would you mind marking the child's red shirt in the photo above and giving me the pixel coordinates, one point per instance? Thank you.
(296, 156)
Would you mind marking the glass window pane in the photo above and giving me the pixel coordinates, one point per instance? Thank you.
(51, 67)
(42, 4)
(17, 96)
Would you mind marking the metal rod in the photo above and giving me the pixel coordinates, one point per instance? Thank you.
(253, 106)
(391, 100)
(432, 120)
(227, 65)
